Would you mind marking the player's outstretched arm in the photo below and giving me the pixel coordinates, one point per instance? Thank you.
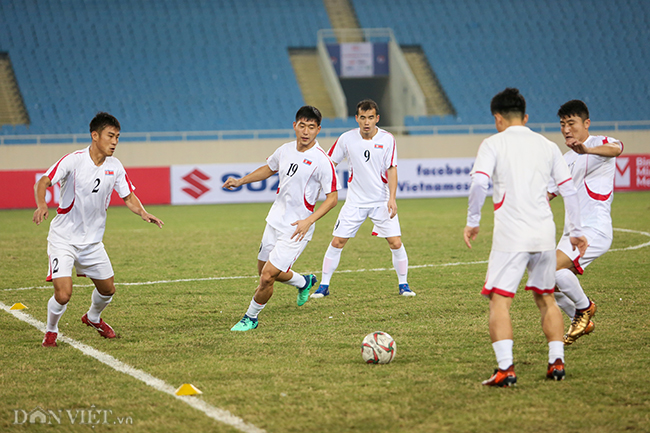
(41, 213)
(302, 226)
(610, 150)
(135, 205)
(264, 172)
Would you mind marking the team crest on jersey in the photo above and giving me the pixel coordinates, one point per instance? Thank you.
(379, 146)
(306, 161)
(109, 172)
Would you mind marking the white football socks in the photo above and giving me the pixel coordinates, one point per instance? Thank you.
(54, 313)
(254, 309)
(555, 351)
(330, 263)
(296, 280)
(401, 264)
(565, 304)
(99, 302)
(503, 351)
(569, 284)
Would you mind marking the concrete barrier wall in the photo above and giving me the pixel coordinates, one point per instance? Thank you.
(167, 153)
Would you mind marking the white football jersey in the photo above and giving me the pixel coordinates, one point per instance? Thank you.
(302, 176)
(369, 160)
(593, 176)
(521, 163)
(85, 195)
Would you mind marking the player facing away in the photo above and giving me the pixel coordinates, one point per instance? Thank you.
(372, 155)
(304, 170)
(521, 163)
(592, 161)
(87, 178)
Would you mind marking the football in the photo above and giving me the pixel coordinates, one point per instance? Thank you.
(378, 348)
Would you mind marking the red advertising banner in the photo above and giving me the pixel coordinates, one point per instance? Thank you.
(632, 173)
(151, 186)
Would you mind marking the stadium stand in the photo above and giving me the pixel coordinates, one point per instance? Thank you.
(197, 65)
(169, 65)
(595, 50)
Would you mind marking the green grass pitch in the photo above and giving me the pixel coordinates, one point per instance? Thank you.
(301, 370)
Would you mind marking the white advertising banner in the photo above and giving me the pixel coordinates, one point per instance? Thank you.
(418, 178)
(357, 59)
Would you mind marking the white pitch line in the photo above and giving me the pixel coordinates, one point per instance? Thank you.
(635, 247)
(241, 277)
(213, 412)
(186, 280)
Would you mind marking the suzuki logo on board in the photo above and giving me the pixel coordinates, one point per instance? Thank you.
(197, 188)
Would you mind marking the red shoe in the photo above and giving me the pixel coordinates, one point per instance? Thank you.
(556, 370)
(50, 339)
(502, 378)
(102, 327)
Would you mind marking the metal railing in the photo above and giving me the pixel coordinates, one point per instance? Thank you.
(289, 133)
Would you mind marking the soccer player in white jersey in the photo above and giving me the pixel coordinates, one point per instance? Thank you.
(87, 178)
(372, 156)
(304, 170)
(521, 163)
(592, 161)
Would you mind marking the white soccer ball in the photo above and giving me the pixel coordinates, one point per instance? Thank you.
(378, 348)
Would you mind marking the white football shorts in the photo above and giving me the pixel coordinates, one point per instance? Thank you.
(505, 270)
(598, 245)
(279, 249)
(89, 261)
(351, 217)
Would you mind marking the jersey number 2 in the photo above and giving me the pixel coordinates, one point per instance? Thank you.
(96, 188)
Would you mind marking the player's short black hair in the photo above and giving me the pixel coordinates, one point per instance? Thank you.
(508, 103)
(366, 105)
(575, 107)
(308, 112)
(102, 120)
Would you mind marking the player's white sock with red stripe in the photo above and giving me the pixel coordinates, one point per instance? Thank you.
(254, 309)
(555, 351)
(569, 284)
(503, 351)
(330, 263)
(401, 264)
(99, 302)
(565, 304)
(54, 313)
(296, 280)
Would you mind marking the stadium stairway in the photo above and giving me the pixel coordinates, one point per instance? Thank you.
(343, 16)
(436, 100)
(12, 107)
(310, 79)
